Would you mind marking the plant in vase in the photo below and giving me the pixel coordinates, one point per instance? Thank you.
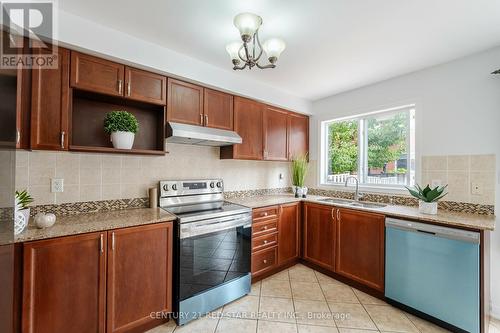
(300, 166)
(122, 126)
(428, 198)
(21, 211)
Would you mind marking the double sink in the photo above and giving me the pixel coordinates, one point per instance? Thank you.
(353, 203)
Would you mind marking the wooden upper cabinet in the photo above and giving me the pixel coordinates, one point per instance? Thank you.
(139, 276)
(145, 86)
(50, 105)
(218, 109)
(23, 109)
(298, 135)
(248, 124)
(96, 74)
(319, 235)
(360, 247)
(275, 134)
(64, 284)
(184, 102)
(288, 233)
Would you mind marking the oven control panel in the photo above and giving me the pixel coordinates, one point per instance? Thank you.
(173, 188)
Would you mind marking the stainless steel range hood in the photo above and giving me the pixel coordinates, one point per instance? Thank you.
(199, 135)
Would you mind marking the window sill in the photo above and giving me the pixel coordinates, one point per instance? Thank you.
(399, 190)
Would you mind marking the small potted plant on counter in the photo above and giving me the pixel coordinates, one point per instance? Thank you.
(122, 126)
(300, 167)
(21, 211)
(428, 198)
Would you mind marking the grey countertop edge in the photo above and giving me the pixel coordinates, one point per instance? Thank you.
(447, 218)
(69, 225)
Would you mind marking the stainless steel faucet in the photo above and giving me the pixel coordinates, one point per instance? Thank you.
(357, 195)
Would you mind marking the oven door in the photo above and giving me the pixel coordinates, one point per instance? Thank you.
(213, 252)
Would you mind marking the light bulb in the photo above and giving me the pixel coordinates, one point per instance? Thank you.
(273, 48)
(247, 24)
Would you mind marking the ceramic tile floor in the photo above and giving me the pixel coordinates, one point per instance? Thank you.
(320, 303)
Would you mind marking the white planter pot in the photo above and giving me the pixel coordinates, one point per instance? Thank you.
(122, 140)
(430, 208)
(21, 220)
(297, 190)
(304, 192)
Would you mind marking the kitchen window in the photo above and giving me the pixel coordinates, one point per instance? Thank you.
(377, 148)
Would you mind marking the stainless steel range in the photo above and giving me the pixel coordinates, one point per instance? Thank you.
(213, 246)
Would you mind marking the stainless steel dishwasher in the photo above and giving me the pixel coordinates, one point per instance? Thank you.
(434, 270)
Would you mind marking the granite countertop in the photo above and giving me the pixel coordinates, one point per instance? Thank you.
(448, 218)
(92, 222)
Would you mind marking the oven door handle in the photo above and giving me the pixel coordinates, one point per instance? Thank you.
(207, 227)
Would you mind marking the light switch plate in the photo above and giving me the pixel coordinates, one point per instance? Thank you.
(57, 185)
(476, 188)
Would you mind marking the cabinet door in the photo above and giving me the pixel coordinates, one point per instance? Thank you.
(248, 124)
(50, 105)
(218, 109)
(145, 86)
(96, 74)
(319, 235)
(288, 233)
(298, 135)
(360, 247)
(275, 134)
(64, 284)
(139, 276)
(23, 104)
(185, 102)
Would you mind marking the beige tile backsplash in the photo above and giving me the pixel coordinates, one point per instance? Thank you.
(460, 172)
(89, 177)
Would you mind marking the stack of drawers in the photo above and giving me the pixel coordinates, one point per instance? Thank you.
(265, 239)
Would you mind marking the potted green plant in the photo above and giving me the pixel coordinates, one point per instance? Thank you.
(21, 211)
(428, 198)
(122, 126)
(300, 166)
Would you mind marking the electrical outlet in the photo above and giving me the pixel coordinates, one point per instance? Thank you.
(57, 185)
(476, 188)
(436, 182)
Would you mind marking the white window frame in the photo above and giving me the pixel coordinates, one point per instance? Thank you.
(362, 142)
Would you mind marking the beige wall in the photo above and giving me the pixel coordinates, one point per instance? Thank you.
(89, 177)
(461, 172)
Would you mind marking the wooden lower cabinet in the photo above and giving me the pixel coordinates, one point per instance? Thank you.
(139, 276)
(99, 282)
(289, 233)
(319, 235)
(360, 247)
(64, 284)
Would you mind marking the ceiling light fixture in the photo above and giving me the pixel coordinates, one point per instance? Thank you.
(250, 50)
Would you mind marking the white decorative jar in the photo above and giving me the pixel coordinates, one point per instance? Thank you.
(122, 140)
(297, 190)
(21, 220)
(44, 220)
(430, 208)
(304, 192)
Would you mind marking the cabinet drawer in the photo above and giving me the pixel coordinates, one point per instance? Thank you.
(264, 227)
(263, 242)
(264, 260)
(266, 213)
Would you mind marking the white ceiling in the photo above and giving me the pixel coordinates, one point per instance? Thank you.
(332, 45)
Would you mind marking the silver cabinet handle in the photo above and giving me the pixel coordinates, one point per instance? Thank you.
(120, 86)
(18, 136)
(265, 241)
(333, 214)
(128, 88)
(338, 215)
(101, 243)
(201, 118)
(264, 261)
(62, 139)
(113, 241)
(206, 120)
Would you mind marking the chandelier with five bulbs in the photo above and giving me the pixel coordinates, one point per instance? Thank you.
(247, 54)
